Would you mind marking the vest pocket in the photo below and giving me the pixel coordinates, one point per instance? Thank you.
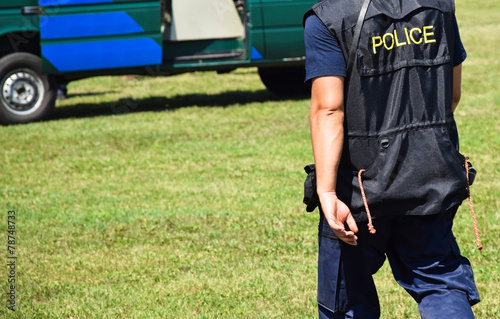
(415, 172)
(363, 152)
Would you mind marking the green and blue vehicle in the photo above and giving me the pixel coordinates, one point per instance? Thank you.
(47, 43)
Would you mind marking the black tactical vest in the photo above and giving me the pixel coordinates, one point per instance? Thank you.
(399, 125)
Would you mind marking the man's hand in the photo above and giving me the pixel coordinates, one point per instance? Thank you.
(336, 214)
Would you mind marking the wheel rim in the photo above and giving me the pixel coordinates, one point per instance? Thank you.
(22, 92)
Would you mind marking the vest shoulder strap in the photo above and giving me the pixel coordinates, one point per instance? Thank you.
(357, 33)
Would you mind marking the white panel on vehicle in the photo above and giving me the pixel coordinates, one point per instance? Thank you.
(204, 19)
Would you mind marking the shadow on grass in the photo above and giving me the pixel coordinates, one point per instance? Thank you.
(160, 103)
(91, 94)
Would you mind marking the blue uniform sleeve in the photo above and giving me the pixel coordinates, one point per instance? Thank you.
(459, 50)
(323, 54)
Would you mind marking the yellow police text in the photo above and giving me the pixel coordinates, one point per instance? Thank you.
(408, 37)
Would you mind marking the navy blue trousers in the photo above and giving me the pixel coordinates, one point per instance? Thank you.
(424, 257)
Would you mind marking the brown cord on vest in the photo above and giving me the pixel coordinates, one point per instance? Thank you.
(370, 225)
(478, 241)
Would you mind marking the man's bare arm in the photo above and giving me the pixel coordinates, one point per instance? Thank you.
(457, 86)
(327, 133)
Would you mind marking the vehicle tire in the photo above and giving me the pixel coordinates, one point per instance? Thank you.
(289, 80)
(26, 94)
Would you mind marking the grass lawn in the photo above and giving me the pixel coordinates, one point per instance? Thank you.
(180, 197)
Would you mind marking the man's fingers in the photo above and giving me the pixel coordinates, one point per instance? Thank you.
(352, 224)
(335, 225)
(348, 237)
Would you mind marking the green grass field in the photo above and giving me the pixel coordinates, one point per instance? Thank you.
(180, 197)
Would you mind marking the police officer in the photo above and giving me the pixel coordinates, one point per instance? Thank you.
(389, 174)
